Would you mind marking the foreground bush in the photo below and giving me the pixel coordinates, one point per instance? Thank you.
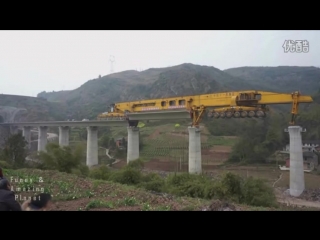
(152, 182)
(228, 187)
(4, 164)
(137, 164)
(100, 173)
(63, 159)
(126, 175)
(81, 171)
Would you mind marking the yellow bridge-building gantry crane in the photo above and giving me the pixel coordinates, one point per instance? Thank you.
(241, 104)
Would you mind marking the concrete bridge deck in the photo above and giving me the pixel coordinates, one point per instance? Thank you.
(113, 123)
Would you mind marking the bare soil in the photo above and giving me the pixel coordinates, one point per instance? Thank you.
(204, 138)
(284, 197)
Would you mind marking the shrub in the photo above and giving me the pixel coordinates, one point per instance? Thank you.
(249, 191)
(152, 182)
(127, 175)
(100, 173)
(230, 187)
(195, 190)
(4, 164)
(76, 171)
(177, 180)
(136, 164)
(186, 184)
(84, 170)
(257, 193)
(63, 159)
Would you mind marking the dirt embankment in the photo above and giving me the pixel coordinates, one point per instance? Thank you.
(309, 199)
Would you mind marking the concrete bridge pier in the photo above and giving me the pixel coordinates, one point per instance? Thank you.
(133, 152)
(297, 184)
(195, 163)
(26, 133)
(42, 138)
(92, 146)
(64, 136)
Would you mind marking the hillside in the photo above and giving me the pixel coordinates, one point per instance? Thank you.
(38, 108)
(92, 97)
(281, 79)
(316, 97)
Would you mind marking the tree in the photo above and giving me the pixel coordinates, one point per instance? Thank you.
(112, 143)
(124, 143)
(259, 139)
(104, 141)
(14, 151)
(63, 159)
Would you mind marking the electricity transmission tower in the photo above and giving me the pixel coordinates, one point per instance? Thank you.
(112, 60)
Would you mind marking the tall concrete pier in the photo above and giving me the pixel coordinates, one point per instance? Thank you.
(26, 133)
(63, 136)
(297, 184)
(42, 138)
(133, 144)
(92, 146)
(195, 163)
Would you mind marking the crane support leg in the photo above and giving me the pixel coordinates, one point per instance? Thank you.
(294, 109)
(196, 115)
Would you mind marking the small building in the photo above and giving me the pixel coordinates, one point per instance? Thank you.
(314, 145)
(306, 147)
(310, 160)
(310, 153)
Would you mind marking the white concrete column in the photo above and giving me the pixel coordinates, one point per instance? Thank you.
(297, 184)
(92, 146)
(42, 138)
(133, 152)
(195, 163)
(26, 133)
(64, 136)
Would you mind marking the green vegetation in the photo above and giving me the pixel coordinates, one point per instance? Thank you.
(63, 159)
(310, 119)
(85, 194)
(229, 187)
(14, 152)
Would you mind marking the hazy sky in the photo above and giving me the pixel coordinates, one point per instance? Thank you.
(35, 61)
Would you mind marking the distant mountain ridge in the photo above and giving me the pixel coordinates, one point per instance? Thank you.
(283, 78)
